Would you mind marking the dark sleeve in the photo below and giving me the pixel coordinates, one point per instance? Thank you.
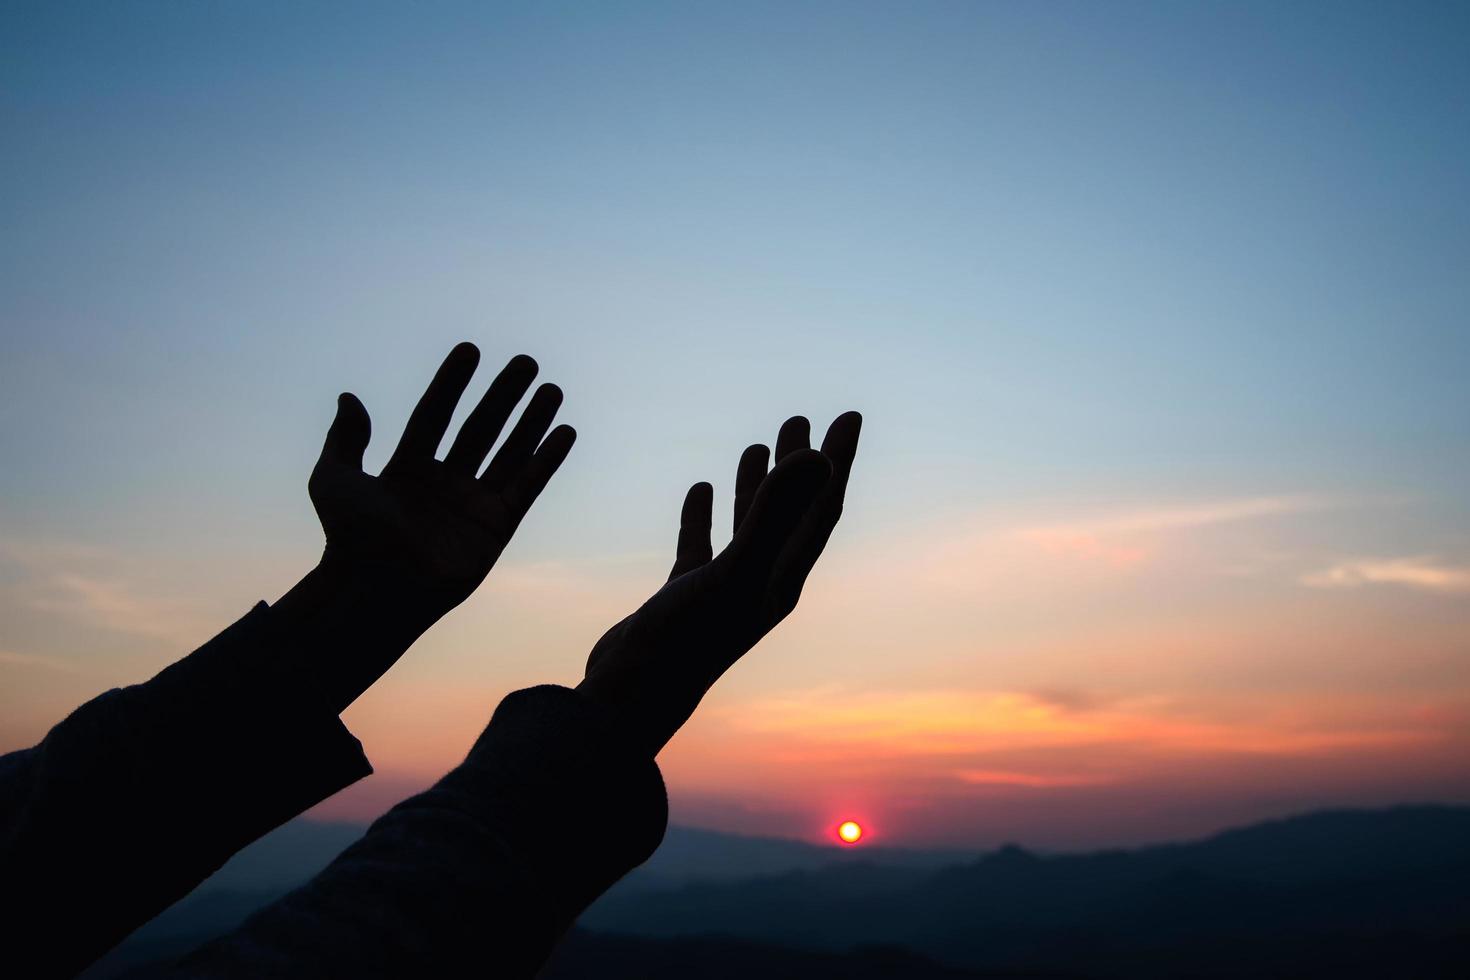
(144, 791)
(480, 875)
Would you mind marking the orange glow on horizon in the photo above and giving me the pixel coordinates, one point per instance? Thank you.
(1006, 721)
(850, 831)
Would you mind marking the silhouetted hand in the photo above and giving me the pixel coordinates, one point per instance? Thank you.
(408, 545)
(655, 666)
(437, 523)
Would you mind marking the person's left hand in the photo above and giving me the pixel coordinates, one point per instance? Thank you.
(439, 525)
(409, 544)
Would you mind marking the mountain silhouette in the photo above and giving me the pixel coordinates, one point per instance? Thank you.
(1350, 893)
(689, 854)
(611, 957)
(1334, 894)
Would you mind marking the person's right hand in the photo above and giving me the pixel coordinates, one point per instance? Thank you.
(653, 668)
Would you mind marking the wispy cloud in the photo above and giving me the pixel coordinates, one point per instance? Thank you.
(1420, 572)
(1028, 780)
(12, 659)
(956, 724)
(89, 585)
(608, 587)
(111, 605)
(1193, 515)
(1120, 539)
(39, 553)
(989, 554)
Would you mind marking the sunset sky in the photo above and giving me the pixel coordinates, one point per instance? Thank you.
(1157, 315)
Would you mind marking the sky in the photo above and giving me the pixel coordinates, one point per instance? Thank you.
(1156, 313)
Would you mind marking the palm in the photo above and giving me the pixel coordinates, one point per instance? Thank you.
(433, 522)
(440, 525)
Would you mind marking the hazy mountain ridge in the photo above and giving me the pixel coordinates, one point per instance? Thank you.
(1341, 894)
(690, 853)
(613, 957)
(1359, 891)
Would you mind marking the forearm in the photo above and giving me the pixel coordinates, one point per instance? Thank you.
(481, 874)
(347, 622)
(144, 791)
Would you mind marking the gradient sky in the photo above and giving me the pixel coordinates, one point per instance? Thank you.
(1157, 313)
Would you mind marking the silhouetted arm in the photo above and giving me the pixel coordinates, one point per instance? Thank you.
(560, 796)
(480, 875)
(144, 791)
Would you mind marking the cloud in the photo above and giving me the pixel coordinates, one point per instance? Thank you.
(578, 579)
(1194, 515)
(1069, 698)
(1117, 540)
(36, 553)
(90, 585)
(1034, 558)
(1423, 572)
(1029, 780)
(12, 659)
(953, 724)
(1085, 545)
(112, 606)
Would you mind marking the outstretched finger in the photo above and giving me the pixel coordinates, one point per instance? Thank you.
(543, 465)
(694, 548)
(796, 433)
(483, 426)
(780, 505)
(347, 439)
(840, 446)
(513, 456)
(748, 476)
(425, 428)
(809, 540)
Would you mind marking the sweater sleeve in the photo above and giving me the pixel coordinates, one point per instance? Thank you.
(144, 791)
(479, 875)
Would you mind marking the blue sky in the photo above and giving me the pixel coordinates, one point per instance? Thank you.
(1071, 261)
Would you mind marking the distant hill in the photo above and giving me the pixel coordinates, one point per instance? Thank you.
(1347, 894)
(584, 955)
(689, 854)
(1341, 894)
(288, 856)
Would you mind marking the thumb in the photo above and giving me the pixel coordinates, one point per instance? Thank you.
(348, 436)
(780, 504)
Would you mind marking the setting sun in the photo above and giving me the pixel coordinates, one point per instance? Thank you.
(850, 832)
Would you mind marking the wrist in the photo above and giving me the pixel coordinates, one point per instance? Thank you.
(347, 622)
(650, 713)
